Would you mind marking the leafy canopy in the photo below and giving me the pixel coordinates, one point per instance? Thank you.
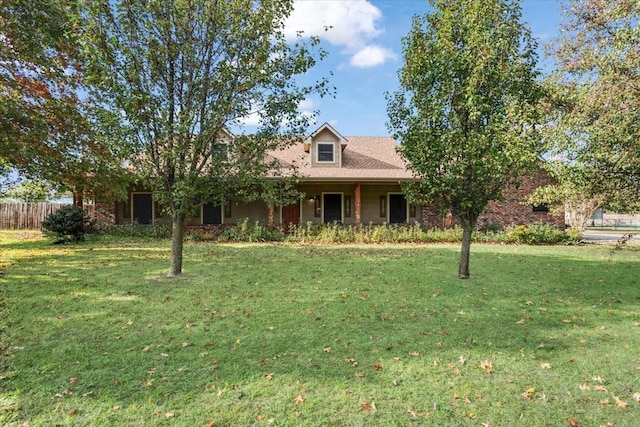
(594, 119)
(466, 111)
(45, 125)
(177, 76)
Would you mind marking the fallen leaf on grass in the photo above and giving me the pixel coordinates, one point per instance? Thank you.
(584, 387)
(636, 397)
(359, 375)
(367, 407)
(414, 354)
(545, 365)
(327, 349)
(528, 394)
(268, 376)
(599, 388)
(621, 403)
(169, 415)
(298, 399)
(573, 422)
(378, 367)
(486, 366)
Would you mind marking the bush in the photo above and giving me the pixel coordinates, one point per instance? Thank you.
(161, 231)
(245, 231)
(68, 224)
(537, 234)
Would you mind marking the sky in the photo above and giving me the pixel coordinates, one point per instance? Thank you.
(365, 53)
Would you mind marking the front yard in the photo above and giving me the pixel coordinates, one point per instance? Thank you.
(273, 334)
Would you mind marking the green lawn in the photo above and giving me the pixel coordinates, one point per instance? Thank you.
(318, 335)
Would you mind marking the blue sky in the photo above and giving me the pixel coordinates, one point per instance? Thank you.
(364, 45)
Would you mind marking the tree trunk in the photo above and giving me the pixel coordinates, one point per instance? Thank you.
(177, 241)
(78, 199)
(465, 250)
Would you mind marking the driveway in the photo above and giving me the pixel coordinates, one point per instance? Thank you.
(597, 236)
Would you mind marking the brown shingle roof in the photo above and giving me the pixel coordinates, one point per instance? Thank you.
(364, 158)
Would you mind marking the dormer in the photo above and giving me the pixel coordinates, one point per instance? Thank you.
(325, 147)
(221, 144)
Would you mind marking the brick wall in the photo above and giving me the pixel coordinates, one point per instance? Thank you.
(510, 211)
(104, 213)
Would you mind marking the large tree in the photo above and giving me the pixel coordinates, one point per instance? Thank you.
(467, 108)
(180, 74)
(594, 122)
(45, 125)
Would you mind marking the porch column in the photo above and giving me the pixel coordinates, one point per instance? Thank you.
(272, 216)
(358, 206)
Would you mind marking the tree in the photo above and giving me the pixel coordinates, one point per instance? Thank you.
(595, 116)
(45, 124)
(467, 108)
(571, 196)
(30, 192)
(180, 73)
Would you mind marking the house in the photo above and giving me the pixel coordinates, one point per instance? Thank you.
(350, 180)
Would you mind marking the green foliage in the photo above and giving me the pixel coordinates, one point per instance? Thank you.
(67, 224)
(180, 74)
(251, 231)
(46, 117)
(539, 234)
(161, 231)
(594, 105)
(30, 192)
(467, 109)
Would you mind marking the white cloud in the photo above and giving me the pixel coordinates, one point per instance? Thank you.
(371, 56)
(352, 25)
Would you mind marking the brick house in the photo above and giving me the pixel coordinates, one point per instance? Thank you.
(350, 180)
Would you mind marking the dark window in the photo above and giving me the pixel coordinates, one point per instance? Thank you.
(142, 205)
(220, 151)
(541, 208)
(325, 152)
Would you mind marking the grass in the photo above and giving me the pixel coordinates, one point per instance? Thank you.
(314, 335)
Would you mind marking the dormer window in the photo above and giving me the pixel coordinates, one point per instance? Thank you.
(325, 152)
(220, 151)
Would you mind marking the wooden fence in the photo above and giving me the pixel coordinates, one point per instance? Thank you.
(28, 216)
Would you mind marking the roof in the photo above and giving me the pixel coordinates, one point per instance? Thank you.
(364, 158)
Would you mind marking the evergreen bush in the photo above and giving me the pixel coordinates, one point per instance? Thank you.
(67, 224)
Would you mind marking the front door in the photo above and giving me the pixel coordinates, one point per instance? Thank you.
(291, 214)
(397, 209)
(332, 207)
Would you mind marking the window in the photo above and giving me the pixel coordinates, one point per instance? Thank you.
(544, 208)
(325, 152)
(220, 151)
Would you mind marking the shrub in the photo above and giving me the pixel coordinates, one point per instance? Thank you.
(537, 234)
(68, 224)
(162, 231)
(245, 231)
